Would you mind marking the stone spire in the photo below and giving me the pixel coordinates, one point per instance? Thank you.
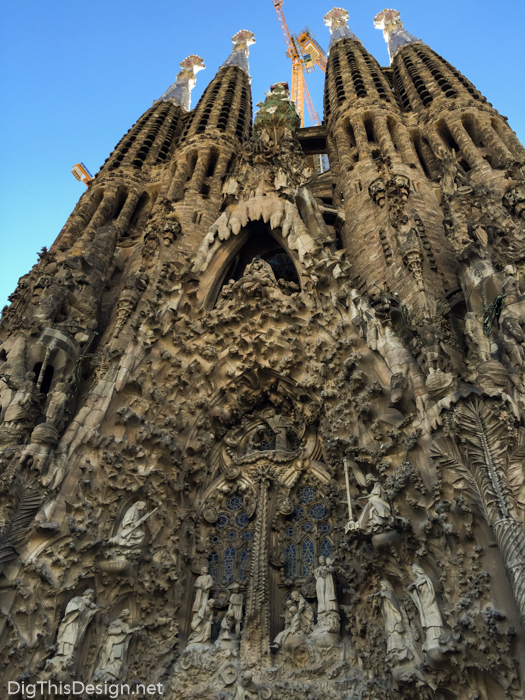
(180, 92)
(394, 32)
(337, 20)
(239, 55)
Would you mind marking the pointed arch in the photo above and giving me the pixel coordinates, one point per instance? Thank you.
(233, 255)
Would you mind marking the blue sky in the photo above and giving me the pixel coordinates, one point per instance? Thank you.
(76, 75)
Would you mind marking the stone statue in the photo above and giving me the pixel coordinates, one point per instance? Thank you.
(424, 596)
(201, 624)
(235, 607)
(227, 637)
(397, 643)
(278, 424)
(289, 615)
(325, 587)
(115, 648)
(25, 399)
(202, 590)
(304, 614)
(59, 402)
(79, 613)
(376, 515)
(129, 535)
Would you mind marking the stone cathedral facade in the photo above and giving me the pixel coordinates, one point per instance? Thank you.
(262, 429)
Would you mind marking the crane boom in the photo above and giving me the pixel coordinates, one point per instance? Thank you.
(304, 53)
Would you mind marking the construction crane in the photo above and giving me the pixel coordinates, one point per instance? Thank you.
(305, 53)
(82, 174)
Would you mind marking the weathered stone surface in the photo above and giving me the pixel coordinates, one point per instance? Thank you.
(262, 431)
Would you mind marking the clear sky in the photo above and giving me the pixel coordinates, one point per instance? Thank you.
(76, 75)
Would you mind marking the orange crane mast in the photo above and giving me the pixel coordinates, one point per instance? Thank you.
(305, 53)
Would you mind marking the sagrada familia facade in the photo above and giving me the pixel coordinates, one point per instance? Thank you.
(262, 429)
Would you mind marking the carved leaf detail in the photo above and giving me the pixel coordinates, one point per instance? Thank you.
(446, 453)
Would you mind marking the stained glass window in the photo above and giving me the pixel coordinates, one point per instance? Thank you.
(306, 532)
(243, 568)
(318, 511)
(326, 548)
(306, 494)
(242, 519)
(228, 564)
(234, 502)
(213, 564)
(230, 539)
(291, 561)
(308, 556)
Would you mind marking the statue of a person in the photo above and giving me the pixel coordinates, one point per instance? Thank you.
(115, 648)
(201, 624)
(397, 643)
(202, 591)
(278, 424)
(235, 607)
(129, 534)
(59, 402)
(305, 613)
(376, 515)
(289, 614)
(79, 613)
(325, 587)
(26, 397)
(227, 634)
(424, 596)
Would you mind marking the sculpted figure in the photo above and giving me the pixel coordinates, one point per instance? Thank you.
(25, 399)
(59, 402)
(289, 615)
(278, 424)
(424, 596)
(397, 643)
(325, 587)
(402, 365)
(79, 613)
(304, 614)
(376, 515)
(129, 535)
(201, 625)
(235, 607)
(202, 591)
(476, 339)
(115, 648)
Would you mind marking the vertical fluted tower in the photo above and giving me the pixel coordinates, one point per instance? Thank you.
(370, 141)
(212, 136)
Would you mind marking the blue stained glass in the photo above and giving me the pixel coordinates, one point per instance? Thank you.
(242, 519)
(307, 527)
(306, 494)
(232, 534)
(291, 561)
(234, 502)
(318, 511)
(290, 532)
(298, 513)
(326, 548)
(308, 556)
(325, 528)
(223, 521)
(213, 564)
(228, 564)
(247, 536)
(243, 568)
(214, 539)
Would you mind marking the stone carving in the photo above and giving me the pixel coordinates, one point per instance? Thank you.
(325, 587)
(289, 617)
(376, 516)
(129, 535)
(304, 614)
(424, 596)
(235, 606)
(112, 662)
(202, 586)
(79, 613)
(201, 624)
